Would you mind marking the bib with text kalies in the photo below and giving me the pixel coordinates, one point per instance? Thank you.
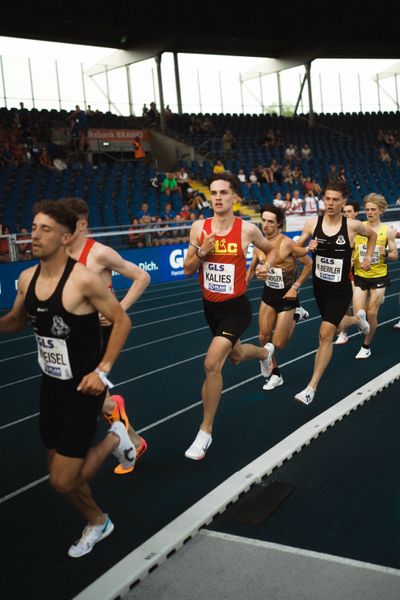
(219, 277)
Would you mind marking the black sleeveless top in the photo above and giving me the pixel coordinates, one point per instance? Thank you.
(69, 346)
(332, 259)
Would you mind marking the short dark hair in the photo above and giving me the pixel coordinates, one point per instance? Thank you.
(336, 186)
(231, 179)
(57, 211)
(76, 205)
(278, 212)
(354, 204)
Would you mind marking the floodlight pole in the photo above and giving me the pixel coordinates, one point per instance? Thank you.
(177, 83)
(311, 117)
(160, 91)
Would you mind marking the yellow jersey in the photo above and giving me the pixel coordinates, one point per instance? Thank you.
(378, 261)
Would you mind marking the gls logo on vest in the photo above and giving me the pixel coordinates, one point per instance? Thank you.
(177, 257)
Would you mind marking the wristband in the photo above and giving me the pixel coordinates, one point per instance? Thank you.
(296, 286)
(194, 246)
(202, 255)
(103, 377)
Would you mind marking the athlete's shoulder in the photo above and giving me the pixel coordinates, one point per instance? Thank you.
(25, 277)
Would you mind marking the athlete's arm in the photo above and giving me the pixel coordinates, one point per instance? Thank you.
(197, 251)
(252, 267)
(365, 230)
(113, 261)
(97, 294)
(305, 260)
(307, 232)
(391, 244)
(17, 319)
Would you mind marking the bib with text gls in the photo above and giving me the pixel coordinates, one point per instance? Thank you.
(329, 269)
(53, 357)
(219, 277)
(376, 256)
(275, 279)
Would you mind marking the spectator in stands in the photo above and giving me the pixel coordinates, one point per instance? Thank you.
(170, 184)
(332, 173)
(138, 151)
(153, 115)
(267, 175)
(145, 110)
(269, 140)
(182, 177)
(342, 175)
(144, 210)
(253, 179)
(278, 201)
(168, 213)
(287, 176)
(218, 167)
(4, 247)
(44, 159)
(306, 152)
(291, 153)
(297, 176)
(297, 204)
(136, 236)
(228, 144)
(24, 249)
(288, 203)
(310, 204)
(321, 206)
(167, 112)
(384, 156)
(242, 176)
(79, 129)
(185, 211)
(276, 169)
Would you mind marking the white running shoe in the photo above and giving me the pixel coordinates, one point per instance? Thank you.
(90, 536)
(397, 325)
(303, 313)
(305, 396)
(363, 323)
(125, 451)
(201, 444)
(363, 353)
(342, 338)
(266, 365)
(273, 382)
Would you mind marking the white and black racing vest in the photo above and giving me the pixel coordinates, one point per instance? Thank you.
(332, 259)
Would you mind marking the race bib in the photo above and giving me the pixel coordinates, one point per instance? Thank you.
(53, 357)
(275, 279)
(329, 269)
(219, 277)
(376, 256)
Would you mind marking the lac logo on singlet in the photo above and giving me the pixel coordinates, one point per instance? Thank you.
(340, 240)
(59, 328)
(221, 247)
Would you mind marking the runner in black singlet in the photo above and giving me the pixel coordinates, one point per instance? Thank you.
(61, 299)
(332, 241)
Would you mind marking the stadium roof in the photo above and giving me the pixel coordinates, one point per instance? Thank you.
(147, 28)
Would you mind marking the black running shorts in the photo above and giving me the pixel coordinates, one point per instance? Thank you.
(275, 299)
(371, 283)
(228, 319)
(68, 418)
(333, 306)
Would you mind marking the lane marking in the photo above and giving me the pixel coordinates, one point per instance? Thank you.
(187, 408)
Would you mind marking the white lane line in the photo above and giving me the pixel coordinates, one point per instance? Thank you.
(183, 410)
(24, 489)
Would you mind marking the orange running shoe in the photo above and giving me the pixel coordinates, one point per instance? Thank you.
(118, 414)
(120, 470)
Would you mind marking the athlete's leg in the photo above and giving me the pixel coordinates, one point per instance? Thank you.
(266, 323)
(360, 299)
(375, 300)
(324, 353)
(217, 353)
(112, 413)
(284, 328)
